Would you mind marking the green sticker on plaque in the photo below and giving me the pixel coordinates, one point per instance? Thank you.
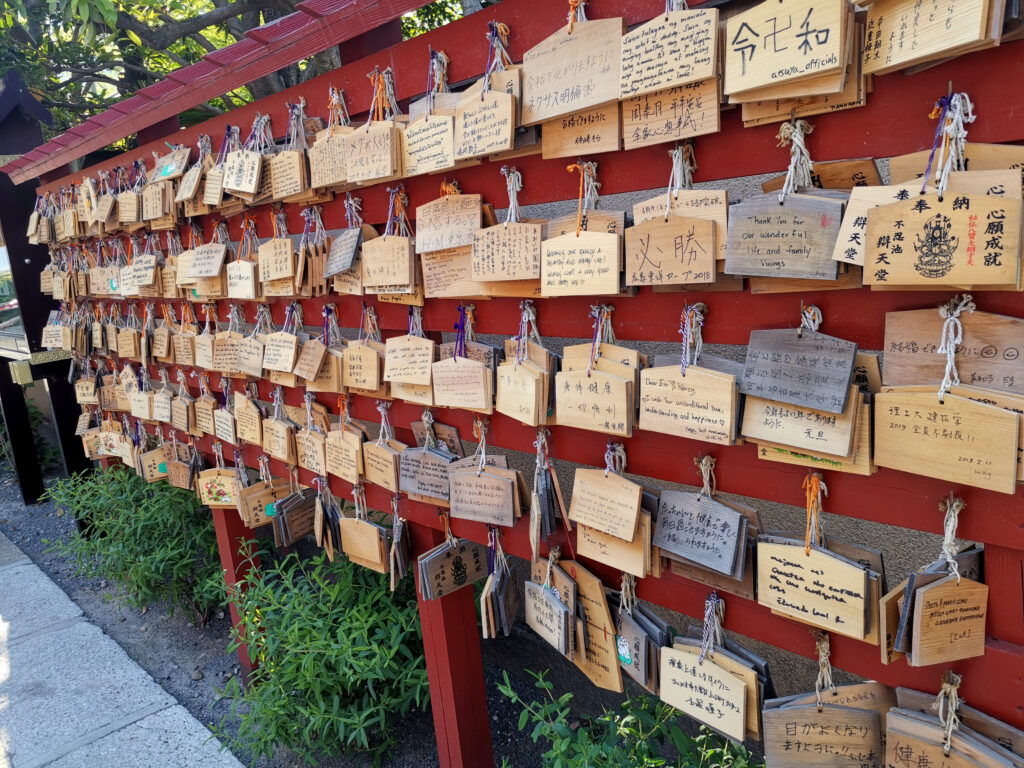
(162, 467)
(271, 509)
(623, 647)
(113, 284)
(195, 293)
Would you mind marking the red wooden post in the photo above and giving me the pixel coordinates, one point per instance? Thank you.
(458, 694)
(231, 532)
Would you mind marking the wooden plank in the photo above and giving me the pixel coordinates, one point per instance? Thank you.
(673, 250)
(584, 132)
(804, 586)
(700, 529)
(672, 114)
(962, 239)
(898, 35)
(802, 428)
(672, 49)
(794, 239)
(957, 440)
(809, 369)
(949, 621)
(589, 57)
(807, 40)
(989, 355)
(835, 174)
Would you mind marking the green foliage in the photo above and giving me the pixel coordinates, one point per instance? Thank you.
(340, 659)
(639, 734)
(46, 452)
(432, 16)
(153, 539)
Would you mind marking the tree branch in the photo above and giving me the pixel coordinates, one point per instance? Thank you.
(203, 42)
(161, 37)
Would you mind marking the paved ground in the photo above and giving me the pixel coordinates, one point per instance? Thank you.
(70, 697)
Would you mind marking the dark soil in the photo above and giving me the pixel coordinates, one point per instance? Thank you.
(171, 648)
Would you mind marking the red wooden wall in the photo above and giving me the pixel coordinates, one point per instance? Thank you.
(893, 122)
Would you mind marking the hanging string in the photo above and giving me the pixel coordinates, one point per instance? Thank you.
(498, 59)
(627, 600)
(952, 337)
(947, 707)
(383, 106)
(691, 328)
(416, 322)
(319, 230)
(706, 467)
(810, 319)
(824, 680)
(353, 211)
(951, 507)
(372, 328)
(799, 172)
(527, 330)
(429, 436)
(553, 554)
(225, 387)
(359, 498)
(437, 77)
(588, 191)
(258, 141)
(480, 435)
(278, 402)
(596, 312)
(297, 125)
(711, 634)
(514, 185)
(614, 459)
(262, 324)
(459, 347)
(387, 434)
(337, 110)
(310, 426)
(814, 486)
(683, 165)
(950, 143)
(577, 13)
(398, 219)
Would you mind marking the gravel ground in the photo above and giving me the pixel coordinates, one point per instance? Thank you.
(175, 652)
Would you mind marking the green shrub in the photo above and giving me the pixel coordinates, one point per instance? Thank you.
(638, 734)
(340, 659)
(154, 540)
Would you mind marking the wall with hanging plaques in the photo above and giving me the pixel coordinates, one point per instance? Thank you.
(893, 122)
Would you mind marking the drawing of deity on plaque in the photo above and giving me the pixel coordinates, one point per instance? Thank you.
(935, 248)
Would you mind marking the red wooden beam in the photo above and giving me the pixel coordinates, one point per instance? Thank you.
(451, 642)
(231, 534)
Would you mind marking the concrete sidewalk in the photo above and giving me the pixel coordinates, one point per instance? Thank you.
(69, 695)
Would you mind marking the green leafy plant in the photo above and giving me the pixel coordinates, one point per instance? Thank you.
(641, 733)
(430, 16)
(46, 452)
(156, 541)
(340, 658)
